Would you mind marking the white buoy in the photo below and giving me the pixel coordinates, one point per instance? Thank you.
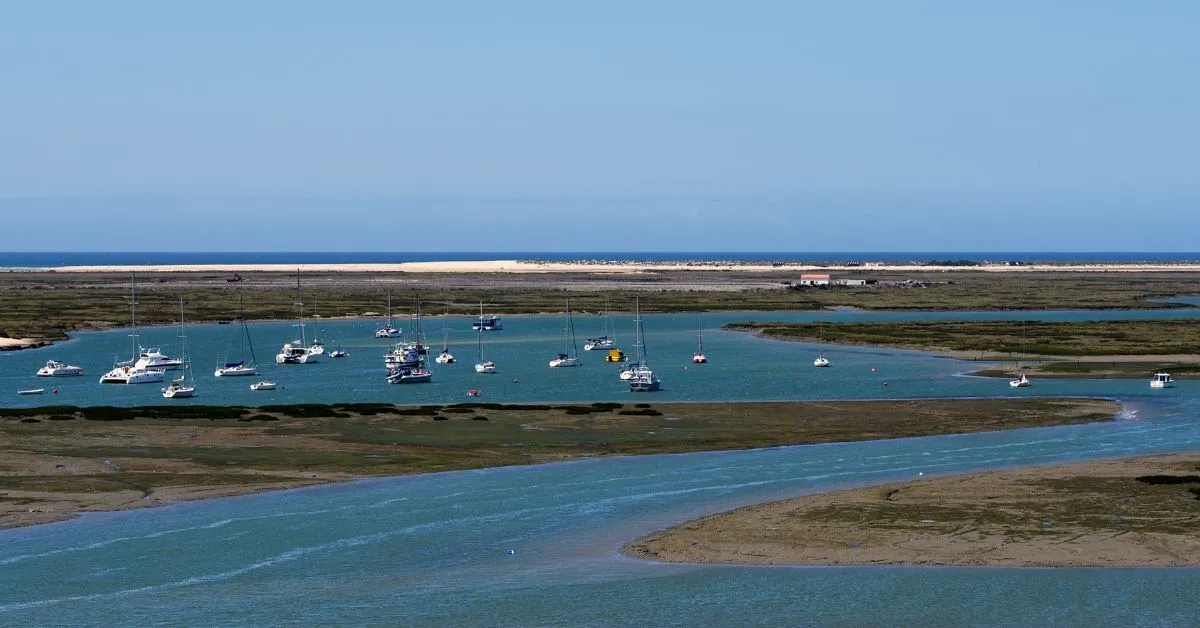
(920, 473)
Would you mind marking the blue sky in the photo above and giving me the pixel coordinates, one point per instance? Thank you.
(600, 126)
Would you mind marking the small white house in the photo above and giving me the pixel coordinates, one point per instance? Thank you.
(814, 279)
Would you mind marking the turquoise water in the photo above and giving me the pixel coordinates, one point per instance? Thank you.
(741, 367)
(432, 550)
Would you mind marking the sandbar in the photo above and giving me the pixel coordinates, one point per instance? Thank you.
(1102, 513)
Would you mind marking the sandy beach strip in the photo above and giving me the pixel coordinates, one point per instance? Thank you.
(526, 266)
(1086, 514)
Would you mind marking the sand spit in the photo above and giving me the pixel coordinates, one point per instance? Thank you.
(1107, 513)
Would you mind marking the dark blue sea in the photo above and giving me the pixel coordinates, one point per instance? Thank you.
(52, 259)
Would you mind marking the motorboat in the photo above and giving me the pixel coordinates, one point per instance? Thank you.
(183, 386)
(298, 351)
(389, 330)
(239, 367)
(1020, 382)
(626, 373)
(338, 353)
(487, 323)
(570, 354)
(154, 358)
(445, 357)
(263, 385)
(821, 361)
(133, 371)
(642, 378)
(55, 368)
(1162, 380)
(597, 344)
(409, 376)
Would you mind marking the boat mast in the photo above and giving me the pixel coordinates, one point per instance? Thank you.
(133, 314)
(700, 334)
(246, 331)
(479, 339)
(300, 311)
(637, 330)
(571, 330)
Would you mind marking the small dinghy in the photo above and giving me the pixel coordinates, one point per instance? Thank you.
(32, 391)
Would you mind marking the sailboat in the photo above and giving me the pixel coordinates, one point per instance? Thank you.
(239, 367)
(131, 372)
(821, 361)
(1021, 381)
(482, 366)
(295, 352)
(570, 352)
(445, 357)
(185, 385)
(388, 331)
(699, 357)
(642, 379)
(607, 339)
(411, 369)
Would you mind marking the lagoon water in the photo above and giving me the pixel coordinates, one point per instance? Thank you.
(432, 550)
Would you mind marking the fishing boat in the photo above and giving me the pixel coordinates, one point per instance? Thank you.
(130, 372)
(389, 330)
(608, 335)
(32, 391)
(821, 361)
(486, 323)
(699, 357)
(298, 351)
(482, 365)
(570, 353)
(642, 378)
(1162, 380)
(239, 367)
(263, 385)
(445, 357)
(55, 368)
(185, 385)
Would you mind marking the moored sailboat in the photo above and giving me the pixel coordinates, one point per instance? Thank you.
(185, 385)
(642, 378)
(570, 353)
(481, 365)
(240, 367)
(296, 352)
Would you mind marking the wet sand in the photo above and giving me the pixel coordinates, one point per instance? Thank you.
(1086, 514)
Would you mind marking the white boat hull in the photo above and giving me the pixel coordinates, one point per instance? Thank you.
(559, 363)
(179, 392)
(444, 358)
(262, 386)
(34, 391)
(69, 371)
(236, 371)
(485, 368)
(132, 375)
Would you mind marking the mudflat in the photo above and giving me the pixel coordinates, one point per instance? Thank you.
(1135, 512)
(57, 461)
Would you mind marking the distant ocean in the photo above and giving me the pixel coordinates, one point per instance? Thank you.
(57, 259)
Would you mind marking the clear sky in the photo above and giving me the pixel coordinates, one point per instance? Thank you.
(482, 125)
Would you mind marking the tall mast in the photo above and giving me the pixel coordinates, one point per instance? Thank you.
(479, 340)
(300, 310)
(700, 333)
(637, 329)
(133, 313)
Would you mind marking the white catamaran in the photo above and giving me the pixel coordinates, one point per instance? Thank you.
(642, 379)
(296, 351)
(131, 372)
